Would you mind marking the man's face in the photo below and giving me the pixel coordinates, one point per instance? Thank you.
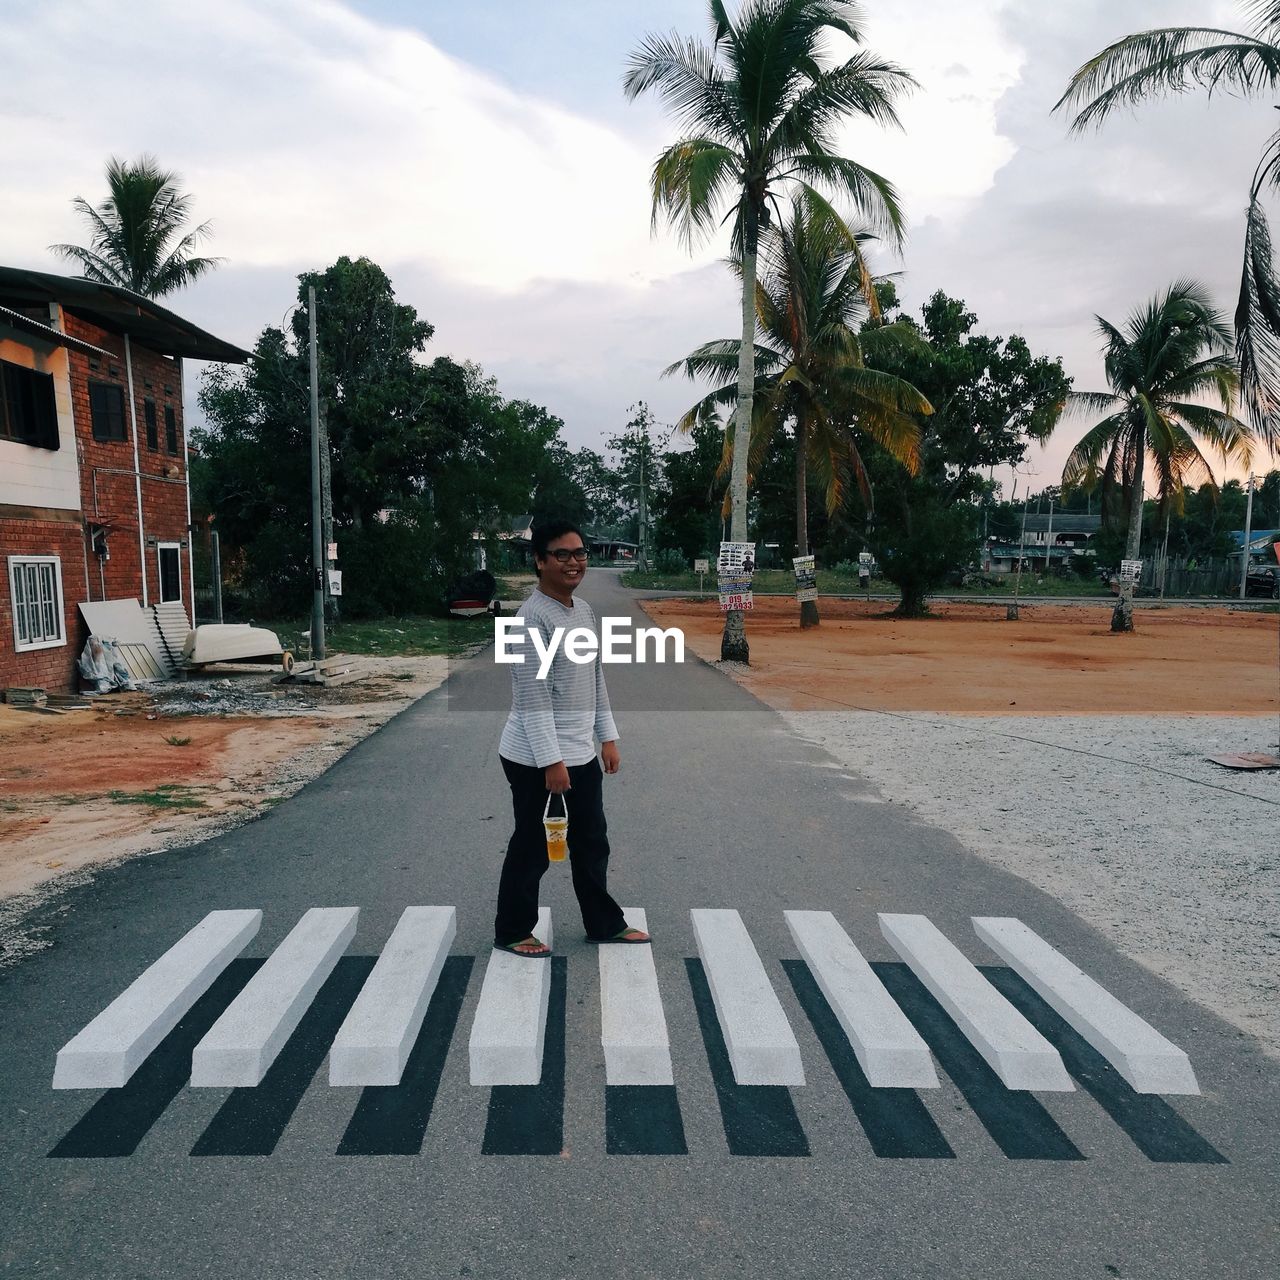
(563, 577)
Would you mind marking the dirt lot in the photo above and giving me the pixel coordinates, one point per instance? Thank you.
(150, 770)
(1056, 660)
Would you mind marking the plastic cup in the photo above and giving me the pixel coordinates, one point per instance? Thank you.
(557, 830)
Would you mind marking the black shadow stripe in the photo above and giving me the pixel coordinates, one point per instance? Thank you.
(528, 1119)
(643, 1120)
(391, 1120)
(759, 1119)
(1156, 1129)
(252, 1120)
(1017, 1123)
(121, 1118)
(897, 1124)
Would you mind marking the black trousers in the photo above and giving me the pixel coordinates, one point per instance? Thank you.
(526, 859)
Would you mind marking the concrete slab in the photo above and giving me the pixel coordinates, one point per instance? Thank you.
(762, 1047)
(633, 1027)
(374, 1041)
(1149, 1062)
(1011, 1046)
(114, 1045)
(240, 1047)
(889, 1049)
(511, 1019)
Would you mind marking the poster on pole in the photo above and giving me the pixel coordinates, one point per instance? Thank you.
(806, 568)
(1130, 570)
(734, 569)
(335, 582)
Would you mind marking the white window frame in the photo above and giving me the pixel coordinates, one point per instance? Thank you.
(177, 548)
(19, 565)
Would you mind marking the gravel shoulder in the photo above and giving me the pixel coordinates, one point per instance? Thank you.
(1173, 859)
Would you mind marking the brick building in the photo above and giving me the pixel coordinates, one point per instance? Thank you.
(94, 500)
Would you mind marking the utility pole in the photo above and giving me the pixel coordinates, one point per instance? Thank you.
(1164, 552)
(1048, 539)
(642, 558)
(1011, 614)
(1248, 532)
(317, 524)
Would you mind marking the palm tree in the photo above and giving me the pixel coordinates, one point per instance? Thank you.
(1172, 354)
(1173, 60)
(133, 231)
(759, 107)
(809, 370)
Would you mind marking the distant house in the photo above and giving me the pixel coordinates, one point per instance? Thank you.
(1260, 541)
(1055, 538)
(94, 498)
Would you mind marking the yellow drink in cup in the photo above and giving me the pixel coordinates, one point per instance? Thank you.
(557, 830)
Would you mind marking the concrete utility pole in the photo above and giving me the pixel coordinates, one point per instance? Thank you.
(317, 524)
(642, 557)
(1248, 532)
(1048, 539)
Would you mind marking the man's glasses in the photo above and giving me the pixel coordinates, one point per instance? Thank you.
(565, 554)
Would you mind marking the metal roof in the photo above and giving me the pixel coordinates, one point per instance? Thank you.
(55, 337)
(119, 311)
(1063, 522)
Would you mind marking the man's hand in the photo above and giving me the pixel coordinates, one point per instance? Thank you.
(609, 755)
(557, 776)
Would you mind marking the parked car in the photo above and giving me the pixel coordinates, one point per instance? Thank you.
(1263, 580)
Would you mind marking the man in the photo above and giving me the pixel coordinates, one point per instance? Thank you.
(548, 745)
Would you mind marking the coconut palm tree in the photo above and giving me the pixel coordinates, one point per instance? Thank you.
(814, 291)
(1171, 356)
(133, 232)
(1173, 60)
(759, 107)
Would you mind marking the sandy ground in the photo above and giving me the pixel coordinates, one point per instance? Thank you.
(91, 787)
(1069, 756)
(968, 660)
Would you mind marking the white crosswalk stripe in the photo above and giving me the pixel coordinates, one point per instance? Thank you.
(113, 1046)
(762, 1047)
(374, 1041)
(1012, 1047)
(1149, 1062)
(241, 1046)
(510, 1025)
(889, 1049)
(633, 1028)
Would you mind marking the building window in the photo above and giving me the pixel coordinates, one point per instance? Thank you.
(27, 411)
(149, 413)
(171, 430)
(35, 588)
(169, 561)
(106, 406)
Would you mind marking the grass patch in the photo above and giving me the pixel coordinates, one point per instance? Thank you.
(174, 741)
(409, 637)
(171, 796)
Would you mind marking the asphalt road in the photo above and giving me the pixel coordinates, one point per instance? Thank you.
(718, 805)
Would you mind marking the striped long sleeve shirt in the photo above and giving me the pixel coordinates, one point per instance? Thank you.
(562, 716)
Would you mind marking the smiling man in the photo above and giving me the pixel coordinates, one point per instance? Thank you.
(549, 745)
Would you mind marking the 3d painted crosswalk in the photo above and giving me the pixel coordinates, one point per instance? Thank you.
(508, 1030)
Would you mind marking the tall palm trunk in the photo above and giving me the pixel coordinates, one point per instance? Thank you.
(808, 608)
(1122, 616)
(733, 644)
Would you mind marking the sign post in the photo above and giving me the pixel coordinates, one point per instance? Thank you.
(701, 567)
(734, 569)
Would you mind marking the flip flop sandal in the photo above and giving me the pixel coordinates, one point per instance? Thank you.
(514, 948)
(623, 940)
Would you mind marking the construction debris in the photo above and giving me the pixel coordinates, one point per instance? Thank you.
(26, 696)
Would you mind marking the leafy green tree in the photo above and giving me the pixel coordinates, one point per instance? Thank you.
(1172, 354)
(133, 232)
(759, 107)
(423, 455)
(1173, 60)
(687, 505)
(814, 292)
(991, 398)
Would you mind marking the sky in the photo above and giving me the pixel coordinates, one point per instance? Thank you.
(485, 156)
